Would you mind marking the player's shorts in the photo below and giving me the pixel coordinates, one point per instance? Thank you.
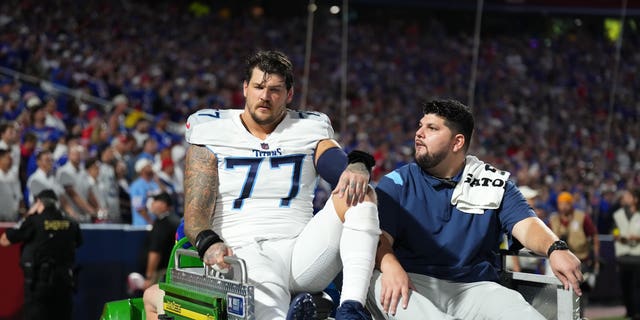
(280, 267)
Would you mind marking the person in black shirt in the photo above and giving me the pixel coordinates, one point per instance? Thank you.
(48, 256)
(161, 238)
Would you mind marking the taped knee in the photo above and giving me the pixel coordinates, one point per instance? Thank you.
(363, 217)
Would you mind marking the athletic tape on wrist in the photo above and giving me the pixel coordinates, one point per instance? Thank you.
(363, 157)
(204, 240)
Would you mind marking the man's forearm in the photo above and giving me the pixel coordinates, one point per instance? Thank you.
(79, 201)
(384, 253)
(68, 208)
(153, 260)
(534, 235)
(596, 247)
(200, 190)
(145, 215)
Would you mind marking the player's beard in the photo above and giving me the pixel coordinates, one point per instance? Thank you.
(427, 160)
(274, 118)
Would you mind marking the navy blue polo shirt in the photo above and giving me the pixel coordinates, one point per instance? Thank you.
(433, 238)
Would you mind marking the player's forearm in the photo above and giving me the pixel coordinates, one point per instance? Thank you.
(200, 190)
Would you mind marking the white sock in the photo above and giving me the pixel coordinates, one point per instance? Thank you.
(358, 246)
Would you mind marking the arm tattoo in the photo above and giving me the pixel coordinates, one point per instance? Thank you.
(200, 190)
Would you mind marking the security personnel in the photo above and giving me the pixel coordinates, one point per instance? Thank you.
(50, 241)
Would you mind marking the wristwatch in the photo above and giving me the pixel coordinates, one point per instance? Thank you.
(558, 245)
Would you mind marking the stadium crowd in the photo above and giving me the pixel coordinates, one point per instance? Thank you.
(546, 95)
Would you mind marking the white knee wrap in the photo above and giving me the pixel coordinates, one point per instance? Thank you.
(363, 217)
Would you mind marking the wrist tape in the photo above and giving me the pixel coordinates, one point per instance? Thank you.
(204, 240)
(363, 157)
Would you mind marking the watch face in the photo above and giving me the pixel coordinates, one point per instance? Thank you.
(561, 245)
(558, 245)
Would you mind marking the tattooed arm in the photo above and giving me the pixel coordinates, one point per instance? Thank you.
(200, 193)
(200, 190)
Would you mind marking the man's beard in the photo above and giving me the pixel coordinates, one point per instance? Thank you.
(269, 120)
(427, 161)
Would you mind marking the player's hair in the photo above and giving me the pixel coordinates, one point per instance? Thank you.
(458, 117)
(270, 62)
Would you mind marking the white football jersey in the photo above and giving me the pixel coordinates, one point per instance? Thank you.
(266, 186)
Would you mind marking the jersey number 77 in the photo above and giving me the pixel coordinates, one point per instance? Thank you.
(252, 175)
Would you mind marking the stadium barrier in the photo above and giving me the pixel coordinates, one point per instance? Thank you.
(111, 251)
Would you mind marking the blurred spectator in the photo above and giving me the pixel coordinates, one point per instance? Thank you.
(44, 178)
(9, 141)
(27, 149)
(91, 186)
(11, 204)
(161, 238)
(9, 99)
(161, 134)
(171, 182)
(71, 177)
(96, 133)
(124, 197)
(149, 150)
(108, 185)
(140, 190)
(117, 114)
(604, 209)
(53, 118)
(177, 156)
(38, 117)
(578, 230)
(49, 144)
(123, 146)
(627, 247)
(141, 131)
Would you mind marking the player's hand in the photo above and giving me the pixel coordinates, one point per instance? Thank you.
(566, 267)
(396, 285)
(214, 256)
(353, 183)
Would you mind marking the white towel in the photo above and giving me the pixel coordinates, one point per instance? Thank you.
(481, 187)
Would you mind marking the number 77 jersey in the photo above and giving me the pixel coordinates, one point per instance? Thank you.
(266, 186)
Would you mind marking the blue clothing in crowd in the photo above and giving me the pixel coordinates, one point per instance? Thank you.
(140, 191)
